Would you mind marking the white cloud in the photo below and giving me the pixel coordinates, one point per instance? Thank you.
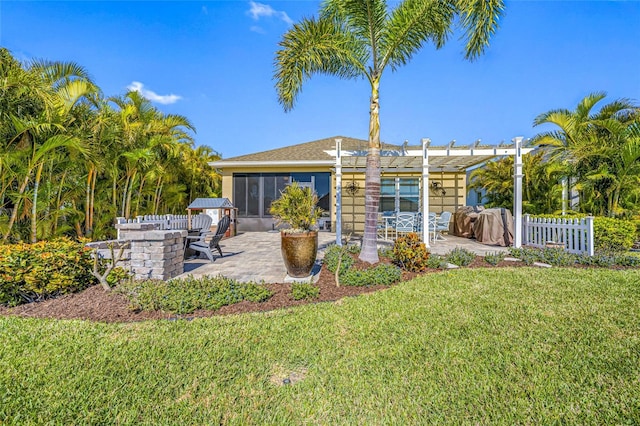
(257, 29)
(205, 10)
(153, 96)
(259, 10)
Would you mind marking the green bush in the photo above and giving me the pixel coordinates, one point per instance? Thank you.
(307, 291)
(494, 258)
(34, 272)
(557, 257)
(613, 235)
(460, 256)
(183, 296)
(411, 253)
(528, 255)
(332, 255)
(381, 274)
(437, 262)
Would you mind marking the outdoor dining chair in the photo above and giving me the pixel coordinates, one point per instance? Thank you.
(201, 245)
(442, 225)
(405, 223)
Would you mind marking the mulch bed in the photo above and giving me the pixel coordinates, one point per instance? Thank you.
(95, 304)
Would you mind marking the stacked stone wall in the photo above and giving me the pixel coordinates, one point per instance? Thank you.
(151, 253)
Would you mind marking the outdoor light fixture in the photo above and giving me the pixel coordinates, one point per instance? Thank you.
(352, 188)
(436, 186)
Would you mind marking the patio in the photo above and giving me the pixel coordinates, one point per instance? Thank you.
(255, 256)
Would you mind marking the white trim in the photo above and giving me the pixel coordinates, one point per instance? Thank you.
(225, 164)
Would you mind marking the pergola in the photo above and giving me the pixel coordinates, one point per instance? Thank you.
(440, 158)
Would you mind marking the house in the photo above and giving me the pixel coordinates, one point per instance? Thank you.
(413, 178)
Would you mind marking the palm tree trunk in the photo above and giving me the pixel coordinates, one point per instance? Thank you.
(87, 203)
(92, 200)
(14, 212)
(34, 207)
(140, 188)
(59, 203)
(369, 252)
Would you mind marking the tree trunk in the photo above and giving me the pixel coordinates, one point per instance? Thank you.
(92, 201)
(34, 207)
(87, 202)
(369, 252)
(16, 205)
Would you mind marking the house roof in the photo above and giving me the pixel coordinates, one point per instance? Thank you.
(210, 203)
(398, 157)
(308, 152)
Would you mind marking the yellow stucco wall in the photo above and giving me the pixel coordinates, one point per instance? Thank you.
(353, 204)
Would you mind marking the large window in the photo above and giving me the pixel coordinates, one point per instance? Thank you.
(399, 194)
(253, 193)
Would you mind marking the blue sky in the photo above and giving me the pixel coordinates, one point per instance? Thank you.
(212, 61)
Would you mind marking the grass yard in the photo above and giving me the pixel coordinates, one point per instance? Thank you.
(506, 346)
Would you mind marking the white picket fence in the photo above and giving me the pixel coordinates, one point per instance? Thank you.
(164, 222)
(576, 235)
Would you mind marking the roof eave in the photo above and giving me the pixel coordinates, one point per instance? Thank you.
(287, 163)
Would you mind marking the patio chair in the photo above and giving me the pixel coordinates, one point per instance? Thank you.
(202, 246)
(442, 225)
(405, 223)
(201, 222)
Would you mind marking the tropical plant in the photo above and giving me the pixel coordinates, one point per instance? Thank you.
(598, 150)
(72, 160)
(297, 208)
(541, 187)
(360, 39)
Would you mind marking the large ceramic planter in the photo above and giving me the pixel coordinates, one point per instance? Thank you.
(299, 252)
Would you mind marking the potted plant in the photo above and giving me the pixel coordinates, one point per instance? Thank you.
(297, 208)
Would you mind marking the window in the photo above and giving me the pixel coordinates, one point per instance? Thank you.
(400, 194)
(253, 193)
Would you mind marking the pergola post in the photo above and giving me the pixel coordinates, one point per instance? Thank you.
(339, 192)
(517, 192)
(425, 191)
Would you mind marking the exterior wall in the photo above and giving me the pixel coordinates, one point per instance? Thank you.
(353, 203)
(353, 210)
(250, 224)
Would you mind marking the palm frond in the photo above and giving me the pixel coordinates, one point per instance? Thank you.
(479, 20)
(316, 47)
(411, 25)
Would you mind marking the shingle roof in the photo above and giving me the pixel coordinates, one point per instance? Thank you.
(210, 203)
(308, 151)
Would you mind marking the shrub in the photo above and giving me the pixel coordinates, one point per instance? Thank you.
(557, 257)
(381, 274)
(494, 258)
(460, 256)
(613, 235)
(528, 255)
(411, 253)
(437, 262)
(183, 296)
(33, 272)
(332, 255)
(307, 291)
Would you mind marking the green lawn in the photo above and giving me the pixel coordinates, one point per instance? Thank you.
(507, 346)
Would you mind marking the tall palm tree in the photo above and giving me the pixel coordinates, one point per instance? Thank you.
(360, 39)
(598, 149)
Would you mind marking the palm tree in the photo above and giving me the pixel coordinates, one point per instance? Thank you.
(598, 149)
(360, 39)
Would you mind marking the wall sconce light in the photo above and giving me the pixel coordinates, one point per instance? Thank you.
(437, 187)
(352, 188)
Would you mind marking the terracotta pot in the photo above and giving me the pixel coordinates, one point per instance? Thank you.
(299, 252)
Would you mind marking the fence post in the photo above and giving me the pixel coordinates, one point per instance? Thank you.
(525, 229)
(590, 236)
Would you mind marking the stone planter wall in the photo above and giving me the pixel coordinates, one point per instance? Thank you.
(152, 253)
